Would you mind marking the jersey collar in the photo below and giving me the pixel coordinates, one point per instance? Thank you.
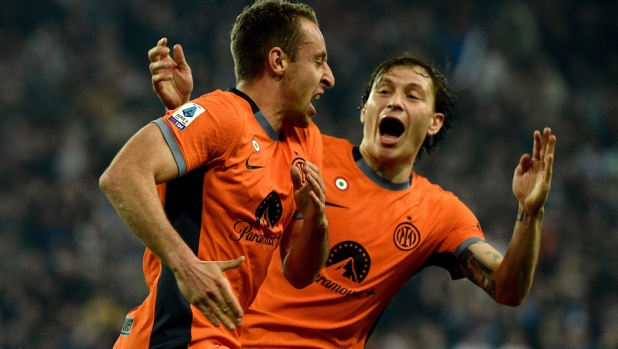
(376, 178)
(261, 119)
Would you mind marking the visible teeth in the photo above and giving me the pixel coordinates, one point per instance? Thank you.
(316, 97)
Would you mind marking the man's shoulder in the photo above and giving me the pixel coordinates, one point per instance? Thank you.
(423, 184)
(219, 99)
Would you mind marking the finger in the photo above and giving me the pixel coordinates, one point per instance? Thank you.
(221, 315)
(317, 202)
(524, 164)
(158, 53)
(549, 159)
(297, 177)
(551, 145)
(231, 264)
(179, 57)
(160, 78)
(224, 304)
(312, 166)
(544, 141)
(314, 171)
(317, 181)
(209, 315)
(231, 306)
(536, 148)
(155, 67)
(316, 186)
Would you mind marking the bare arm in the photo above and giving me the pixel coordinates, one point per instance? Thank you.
(304, 246)
(130, 185)
(508, 279)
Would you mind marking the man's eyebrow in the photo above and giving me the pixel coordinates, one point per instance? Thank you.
(322, 55)
(413, 85)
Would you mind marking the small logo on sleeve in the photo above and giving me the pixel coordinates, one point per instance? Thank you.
(185, 115)
(126, 327)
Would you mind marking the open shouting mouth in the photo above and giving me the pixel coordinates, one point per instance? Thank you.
(391, 128)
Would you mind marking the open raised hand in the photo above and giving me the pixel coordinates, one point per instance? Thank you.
(171, 77)
(532, 178)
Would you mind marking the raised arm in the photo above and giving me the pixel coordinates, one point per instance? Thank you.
(130, 185)
(508, 279)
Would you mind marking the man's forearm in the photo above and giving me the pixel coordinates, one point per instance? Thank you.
(514, 276)
(137, 203)
(307, 255)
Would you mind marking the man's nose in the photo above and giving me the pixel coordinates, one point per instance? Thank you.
(328, 79)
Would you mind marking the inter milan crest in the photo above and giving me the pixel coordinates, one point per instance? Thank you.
(406, 236)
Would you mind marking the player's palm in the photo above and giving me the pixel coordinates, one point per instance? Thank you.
(532, 178)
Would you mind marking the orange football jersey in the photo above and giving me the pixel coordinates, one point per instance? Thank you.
(233, 197)
(381, 234)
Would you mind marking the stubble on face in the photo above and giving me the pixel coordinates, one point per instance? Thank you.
(303, 78)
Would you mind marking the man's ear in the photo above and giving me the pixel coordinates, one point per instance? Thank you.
(436, 124)
(362, 113)
(277, 61)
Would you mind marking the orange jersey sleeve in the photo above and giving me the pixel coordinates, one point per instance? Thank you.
(204, 130)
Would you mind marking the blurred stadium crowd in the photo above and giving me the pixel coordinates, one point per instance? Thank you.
(76, 85)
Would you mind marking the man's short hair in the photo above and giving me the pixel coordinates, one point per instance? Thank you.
(443, 99)
(262, 26)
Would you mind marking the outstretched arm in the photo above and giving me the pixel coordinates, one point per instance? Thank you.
(508, 279)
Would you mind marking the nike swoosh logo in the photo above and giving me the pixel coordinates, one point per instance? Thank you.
(334, 205)
(251, 167)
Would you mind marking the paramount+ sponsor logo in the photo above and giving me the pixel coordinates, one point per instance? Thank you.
(267, 215)
(342, 290)
(352, 262)
(244, 231)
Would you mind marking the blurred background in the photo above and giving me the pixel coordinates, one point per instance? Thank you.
(76, 86)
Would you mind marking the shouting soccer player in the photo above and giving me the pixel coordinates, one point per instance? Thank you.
(238, 175)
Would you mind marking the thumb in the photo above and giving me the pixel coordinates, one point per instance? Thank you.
(297, 177)
(179, 57)
(234, 263)
(524, 164)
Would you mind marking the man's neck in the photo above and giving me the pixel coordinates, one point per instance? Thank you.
(395, 171)
(264, 95)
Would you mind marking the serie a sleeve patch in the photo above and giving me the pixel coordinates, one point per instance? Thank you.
(185, 115)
